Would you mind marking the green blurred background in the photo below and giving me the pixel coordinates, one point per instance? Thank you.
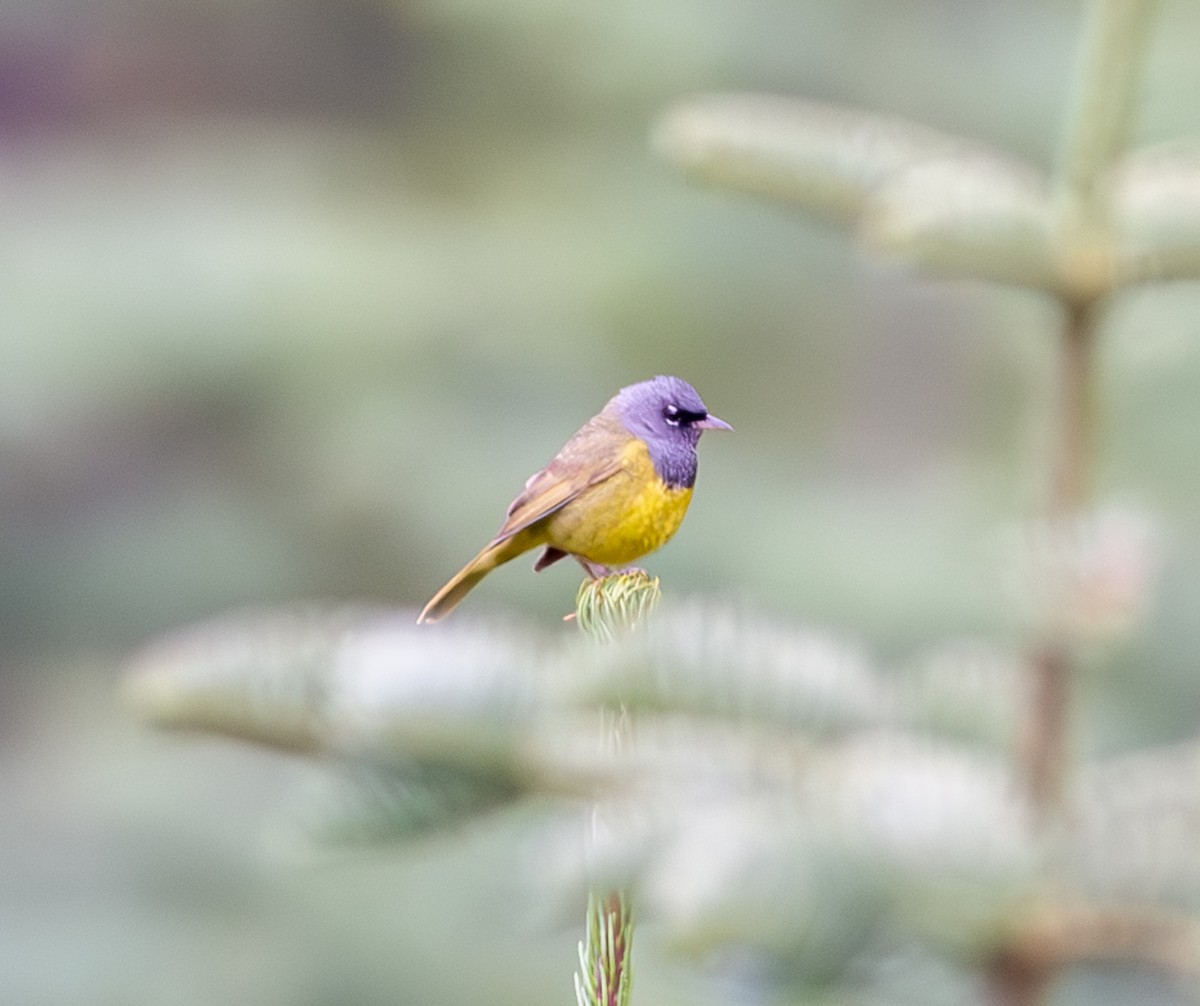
(293, 296)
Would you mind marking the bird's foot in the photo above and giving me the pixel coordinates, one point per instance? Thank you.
(594, 570)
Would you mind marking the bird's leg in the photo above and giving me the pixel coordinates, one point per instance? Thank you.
(550, 556)
(593, 569)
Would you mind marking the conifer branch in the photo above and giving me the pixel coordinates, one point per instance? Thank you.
(604, 977)
(613, 604)
(605, 609)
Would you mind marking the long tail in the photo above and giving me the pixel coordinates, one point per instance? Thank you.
(494, 553)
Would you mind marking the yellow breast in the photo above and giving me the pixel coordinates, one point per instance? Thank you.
(629, 514)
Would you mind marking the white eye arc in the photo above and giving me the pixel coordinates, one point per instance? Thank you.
(671, 415)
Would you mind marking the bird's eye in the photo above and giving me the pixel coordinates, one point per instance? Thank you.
(671, 415)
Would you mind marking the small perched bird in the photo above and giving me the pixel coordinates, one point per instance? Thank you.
(617, 490)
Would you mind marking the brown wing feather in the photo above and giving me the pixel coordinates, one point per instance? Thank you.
(590, 456)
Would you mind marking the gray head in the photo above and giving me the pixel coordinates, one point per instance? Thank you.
(669, 416)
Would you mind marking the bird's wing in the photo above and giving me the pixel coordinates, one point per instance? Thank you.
(590, 456)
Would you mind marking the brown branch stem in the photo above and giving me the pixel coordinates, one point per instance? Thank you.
(1070, 475)
(1043, 742)
(1054, 937)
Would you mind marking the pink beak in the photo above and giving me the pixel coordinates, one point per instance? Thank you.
(712, 423)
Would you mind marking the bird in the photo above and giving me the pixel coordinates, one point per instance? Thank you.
(617, 490)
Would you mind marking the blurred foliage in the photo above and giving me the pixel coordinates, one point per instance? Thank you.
(771, 790)
(293, 296)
